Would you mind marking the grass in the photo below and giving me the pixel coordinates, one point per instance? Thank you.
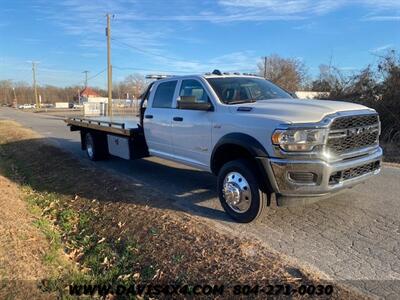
(105, 261)
(52, 256)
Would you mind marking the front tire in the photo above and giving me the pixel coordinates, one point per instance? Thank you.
(239, 191)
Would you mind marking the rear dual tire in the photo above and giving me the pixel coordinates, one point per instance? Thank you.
(96, 146)
(240, 192)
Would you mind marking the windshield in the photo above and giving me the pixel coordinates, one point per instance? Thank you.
(232, 90)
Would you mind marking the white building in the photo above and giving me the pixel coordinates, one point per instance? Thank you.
(311, 94)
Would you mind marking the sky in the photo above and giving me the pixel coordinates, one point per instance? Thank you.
(67, 37)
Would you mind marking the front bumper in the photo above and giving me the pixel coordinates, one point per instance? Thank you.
(288, 191)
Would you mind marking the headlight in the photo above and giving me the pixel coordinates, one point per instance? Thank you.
(298, 139)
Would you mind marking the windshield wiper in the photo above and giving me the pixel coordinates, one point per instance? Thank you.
(241, 101)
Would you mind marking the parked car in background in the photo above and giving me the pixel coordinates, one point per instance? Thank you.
(77, 106)
(26, 106)
(47, 105)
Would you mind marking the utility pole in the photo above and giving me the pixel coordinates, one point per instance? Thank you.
(109, 67)
(265, 67)
(34, 85)
(15, 98)
(86, 78)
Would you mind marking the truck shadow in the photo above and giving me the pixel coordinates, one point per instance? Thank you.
(154, 182)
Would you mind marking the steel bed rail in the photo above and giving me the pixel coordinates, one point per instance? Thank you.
(108, 126)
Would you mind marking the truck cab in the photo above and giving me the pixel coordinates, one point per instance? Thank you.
(258, 140)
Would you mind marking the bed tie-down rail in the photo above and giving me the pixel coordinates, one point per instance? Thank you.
(76, 123)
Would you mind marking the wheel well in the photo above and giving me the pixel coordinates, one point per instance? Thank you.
(99, 136)
(83, 139)
(226, 153)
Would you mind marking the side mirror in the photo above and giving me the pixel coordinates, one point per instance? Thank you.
(205, 106)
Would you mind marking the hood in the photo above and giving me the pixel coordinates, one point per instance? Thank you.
(298, 110)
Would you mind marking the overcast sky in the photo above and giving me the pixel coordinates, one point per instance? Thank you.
(189, 36)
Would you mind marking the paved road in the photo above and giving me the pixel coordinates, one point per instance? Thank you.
(354, 237)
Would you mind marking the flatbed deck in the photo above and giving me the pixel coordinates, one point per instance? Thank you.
(122, 125)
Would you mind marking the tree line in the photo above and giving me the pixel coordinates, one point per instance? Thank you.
(376, 86)
(132, 86)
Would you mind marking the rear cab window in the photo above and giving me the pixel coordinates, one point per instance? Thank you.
(164, 94)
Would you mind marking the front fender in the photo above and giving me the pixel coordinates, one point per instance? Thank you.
(253, 147)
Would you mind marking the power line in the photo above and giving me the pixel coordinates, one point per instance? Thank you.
(161, 71)
(89, 78)
(97, 74)
(176, 71)
(148, 52)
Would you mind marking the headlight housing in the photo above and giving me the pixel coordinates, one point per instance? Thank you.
(299, 140)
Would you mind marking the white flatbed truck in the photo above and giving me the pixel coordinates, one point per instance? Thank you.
(253, 135)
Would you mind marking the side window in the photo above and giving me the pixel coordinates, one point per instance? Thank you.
(164, 95)
(193, 91)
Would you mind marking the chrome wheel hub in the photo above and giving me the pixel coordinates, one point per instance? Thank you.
(236, 192)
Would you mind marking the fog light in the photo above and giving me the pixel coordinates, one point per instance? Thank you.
(303, 177)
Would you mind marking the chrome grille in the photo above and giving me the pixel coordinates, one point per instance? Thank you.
(354, 172)
(360, 170)
(354, 121)
(352, 133)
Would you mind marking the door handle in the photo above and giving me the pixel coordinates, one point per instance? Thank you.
(178, 119)
(148, 116)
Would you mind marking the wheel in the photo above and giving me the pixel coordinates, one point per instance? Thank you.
(239, 191)
(96, 148)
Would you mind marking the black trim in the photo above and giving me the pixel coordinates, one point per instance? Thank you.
(138, 147)
(244, 108)
(83, 139)
(74, 128)
(144, 97)
(244, 140)
(255, 149)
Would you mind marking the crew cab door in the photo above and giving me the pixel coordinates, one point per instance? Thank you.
(158, 118)
(191, 128)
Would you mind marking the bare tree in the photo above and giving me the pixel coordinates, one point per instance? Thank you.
(135, 84)
(289, 73)
(378, 88)
(6, 91)
(388, 103)
(326, 80)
